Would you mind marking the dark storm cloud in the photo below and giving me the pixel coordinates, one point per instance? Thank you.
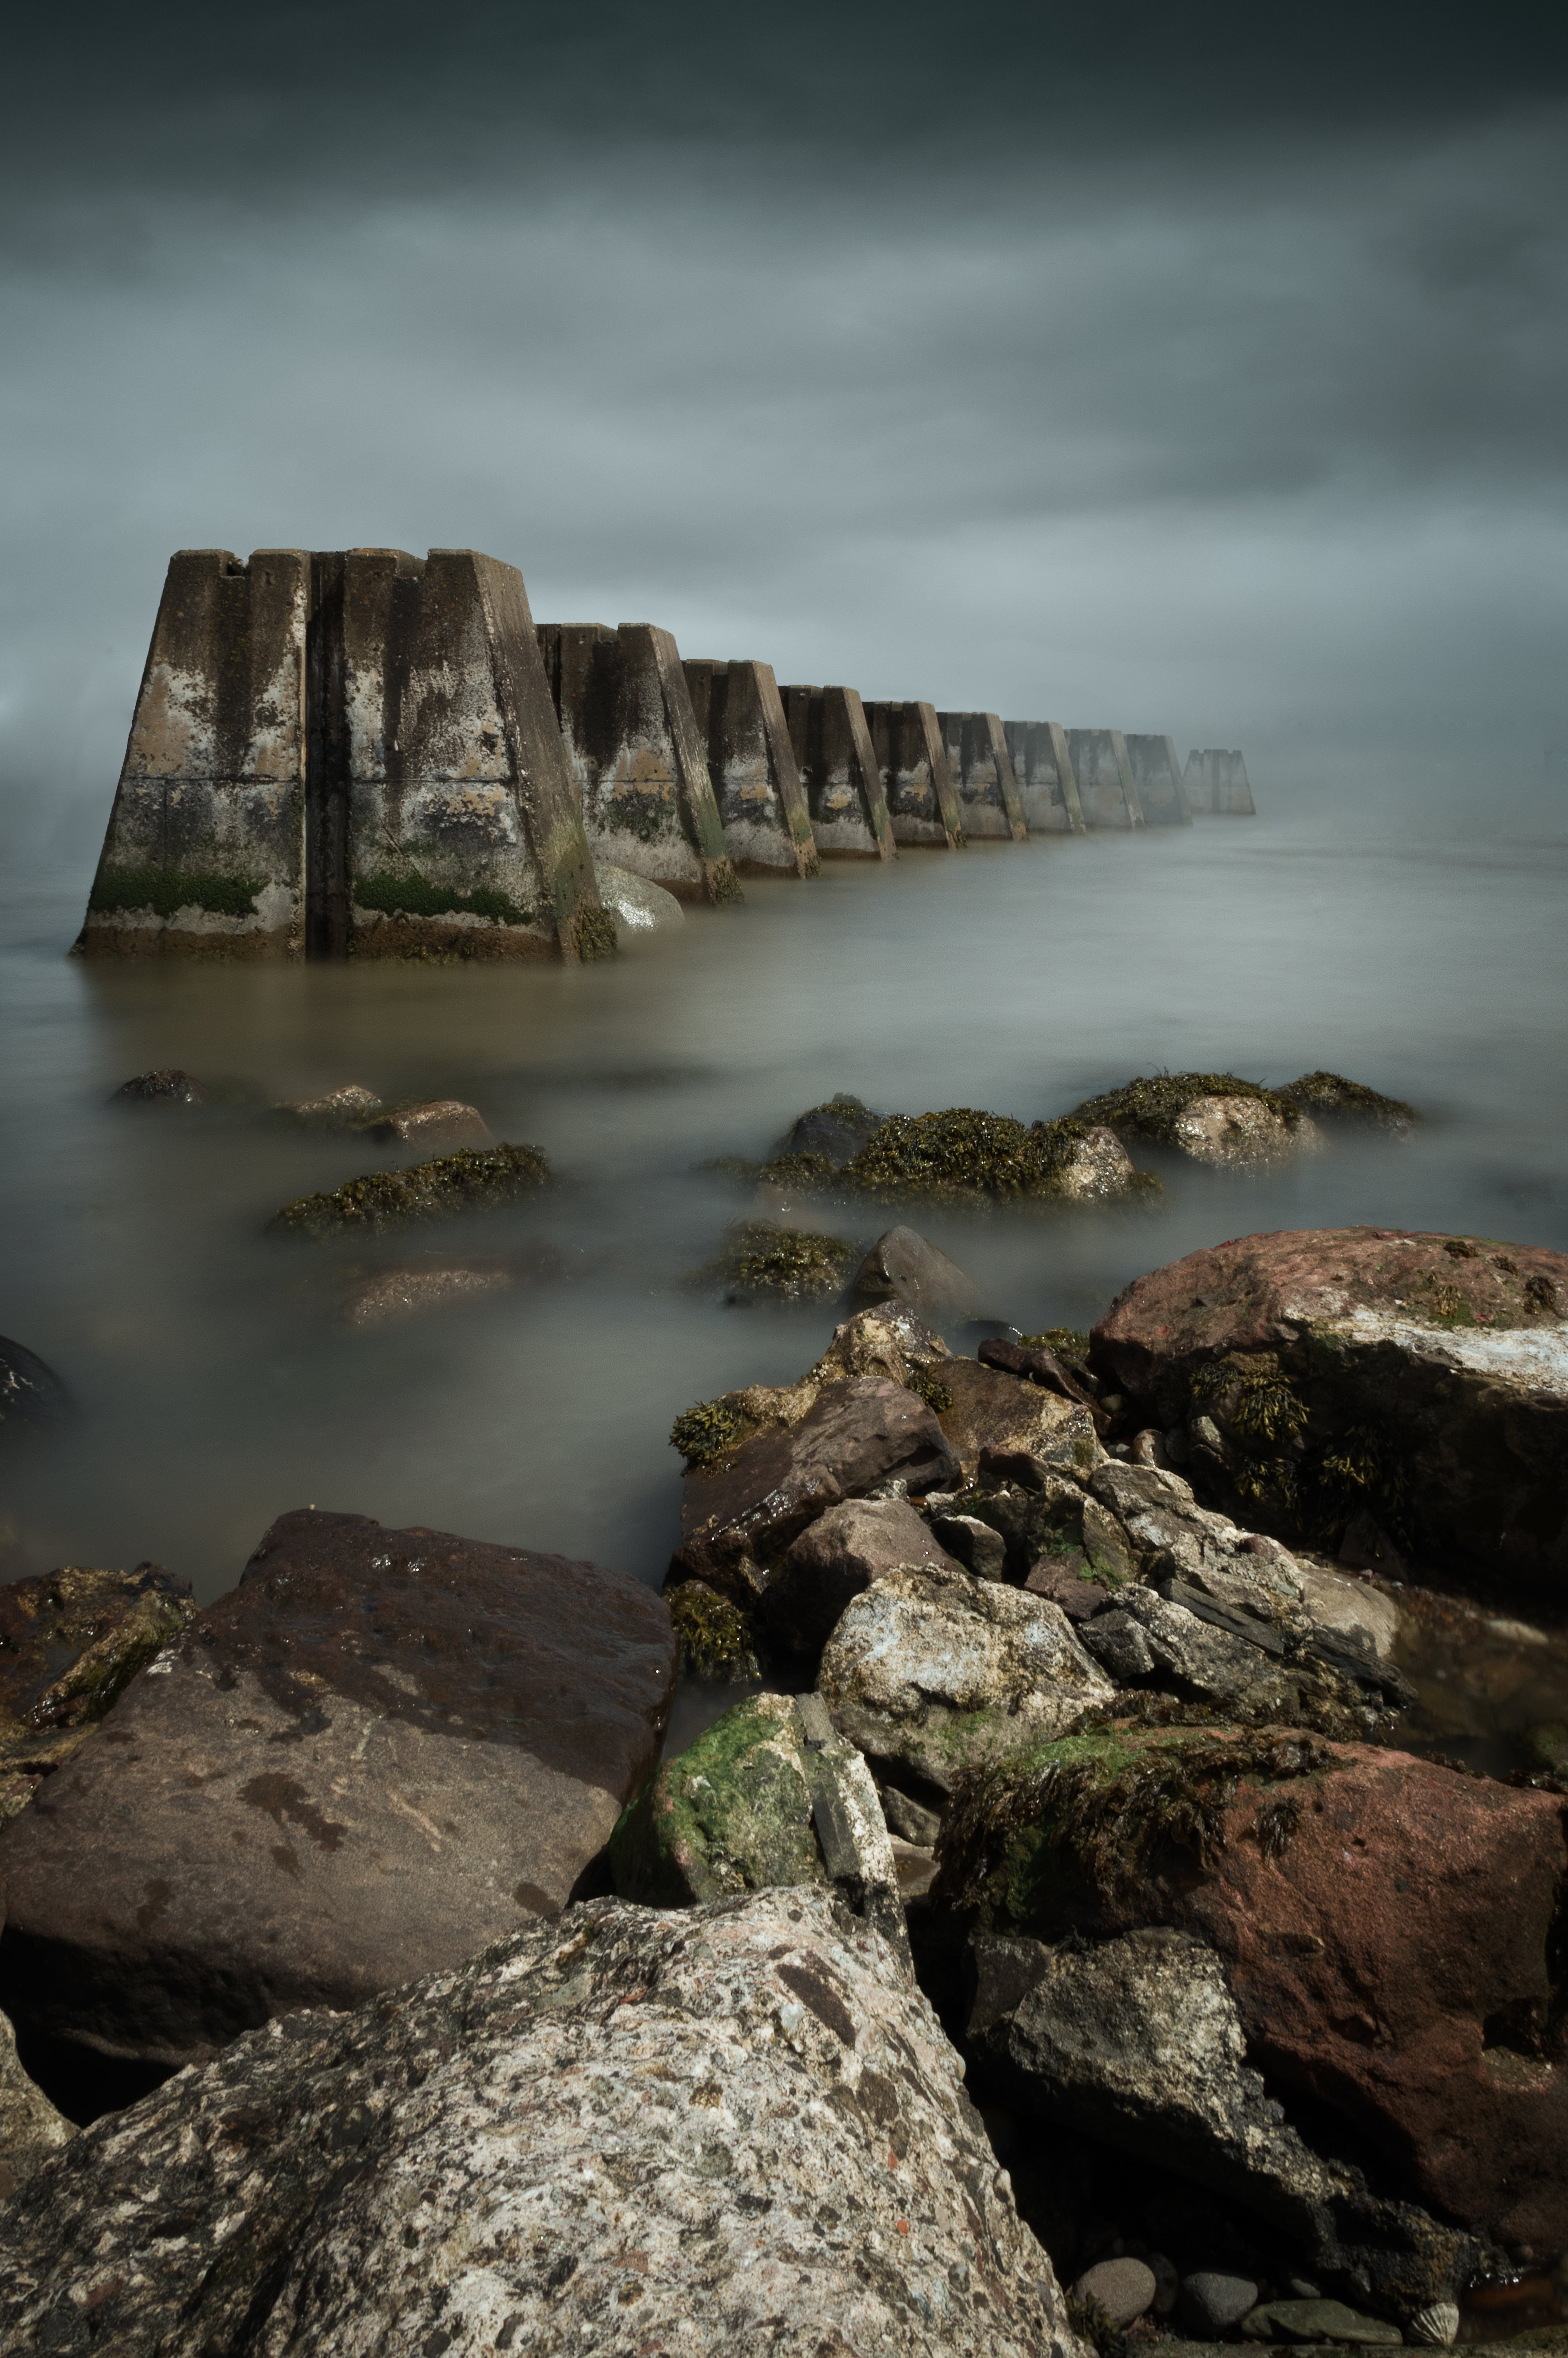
(1146, 363)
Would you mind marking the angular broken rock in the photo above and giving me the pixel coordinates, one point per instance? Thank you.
(904, 1268)
(1138, 2042)
(857, 1435)
(440, 1121)
(70, 1642)
(727, 2129)
(990, 1410)
(835, 1558)
(938, 1672)
(770, 1795)
(383, 1750)
(30, 2129)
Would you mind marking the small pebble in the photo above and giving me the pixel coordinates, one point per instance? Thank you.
(1123, 2288)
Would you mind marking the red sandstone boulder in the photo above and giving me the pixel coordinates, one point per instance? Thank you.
(1327, 1375)
(383, 1750)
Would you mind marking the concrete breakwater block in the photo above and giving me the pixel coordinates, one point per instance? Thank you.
(912, 755)
(638, 758)
(1217, 783)
(982, 775)
(342, 753)
(1047, 789)
(751, 760)
(1152, 761)
(838, 769)
(1107, 787)
(380, 1751)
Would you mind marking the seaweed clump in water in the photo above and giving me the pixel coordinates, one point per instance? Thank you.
(1097, 1808)
(469, 1180)
(706, 1432)
(1332, 1094)
(782, 1264)
(716, 1640)
(1150, 1106)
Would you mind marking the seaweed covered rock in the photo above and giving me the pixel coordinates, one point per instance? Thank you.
(1330, 1096)
(383, 1750)
(1091, 1165)
(470, 1180)
(1213, 1117)
(718, 1640)
(70, 1644)
(735, 2127)
(749, 1503)
(769, 1796)
(835, 1558)
(836, 1131)
(1388, 1929)
(765, 1261)
(1419, 1380)
(961, 1155)
(904, 1267)
(30, 1391)
(1138, 2042)
(931, 1672)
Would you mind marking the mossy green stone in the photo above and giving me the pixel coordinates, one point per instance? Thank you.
(730, 1813)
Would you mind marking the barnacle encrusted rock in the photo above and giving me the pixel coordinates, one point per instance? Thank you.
(725, 2130)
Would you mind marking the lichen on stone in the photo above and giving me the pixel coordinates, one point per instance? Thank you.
(473, 1178)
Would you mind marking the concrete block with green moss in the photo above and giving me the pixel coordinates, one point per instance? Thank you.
(769, 1795)
(752, 763)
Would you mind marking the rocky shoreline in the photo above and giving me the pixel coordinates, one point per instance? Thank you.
(377, 1986)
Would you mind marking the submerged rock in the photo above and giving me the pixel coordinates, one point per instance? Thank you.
(936, 1672)
(903, 1268)
(168, 1086)
(769, 1796)
(1385, 1927)
(1329, 1096)
(31, 2131)
(728, 2128)
(1326, 1374)
(29, 1390)
(469, 1180)
(438, 1121)
(394, 1293)
(341, 1108)
(765, 1261)
(636, 904)
(70, 1644)
(962, 1154)
(1212, 1116)
(383, 1750)
(835, 1131)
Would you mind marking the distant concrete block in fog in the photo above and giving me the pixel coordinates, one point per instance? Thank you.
(342, 753)
(1159, 779)
(923, 805)
(751, 761)
(1047, 790)
(838, 763)
(1107, 788)
(639, 761)
(1216, 782)
(981, 771)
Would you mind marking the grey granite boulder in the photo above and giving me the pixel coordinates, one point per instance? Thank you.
(383, 1750)
(733, 2128)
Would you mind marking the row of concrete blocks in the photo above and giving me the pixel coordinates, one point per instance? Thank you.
(372, 753)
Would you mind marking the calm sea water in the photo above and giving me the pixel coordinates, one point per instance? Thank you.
(217, 1384)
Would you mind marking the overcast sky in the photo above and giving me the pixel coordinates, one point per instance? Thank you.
(1198, 369)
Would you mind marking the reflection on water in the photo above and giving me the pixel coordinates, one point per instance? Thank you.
(218, 1384)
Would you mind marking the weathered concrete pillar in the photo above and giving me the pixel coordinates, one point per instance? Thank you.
(838, 765)
(639, 761)
(1159, 779)
(1216, 781)
(464, 832)
(1107, 788)
(918, 784)
(205, 849)
(756, 781)
(1047, 790)
(981, 769)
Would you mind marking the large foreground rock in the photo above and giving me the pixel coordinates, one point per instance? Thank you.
(933, 1672)
(728, 2130)
(383, 1750)
(1328, 1374)
(70, 1642)
(1388, 1929)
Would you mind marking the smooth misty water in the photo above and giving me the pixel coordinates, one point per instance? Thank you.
(217, 1386)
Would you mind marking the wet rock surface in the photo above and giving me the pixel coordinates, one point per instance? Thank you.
(624, 2131)
(934, 1673)
(1417, 1381)
(30, 1390)
(836, 1130)
(1354, 1898)
(383, 1750)
(769, 1796)
(167, 1086)
(903, 1268)
(70, 1644)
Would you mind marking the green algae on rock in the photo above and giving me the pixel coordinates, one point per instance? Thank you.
(964, 1154)
(763, 1261)
(704, 1433)
(472, 1179)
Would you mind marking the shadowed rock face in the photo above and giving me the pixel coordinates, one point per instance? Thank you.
(383, 1750)
(732, 2128)
(1443, 1361)
(836, 1557)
